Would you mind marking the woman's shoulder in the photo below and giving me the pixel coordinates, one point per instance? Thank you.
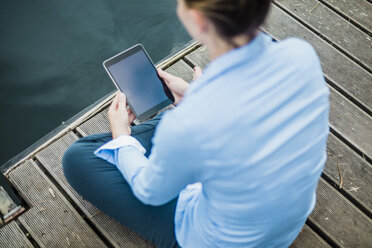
(296, 51)
(297, 46)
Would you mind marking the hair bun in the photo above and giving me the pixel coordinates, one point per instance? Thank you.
(233, 17)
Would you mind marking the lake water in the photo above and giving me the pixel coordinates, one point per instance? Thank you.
(51, 55)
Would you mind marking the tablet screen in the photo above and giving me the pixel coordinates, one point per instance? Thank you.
(137, 78)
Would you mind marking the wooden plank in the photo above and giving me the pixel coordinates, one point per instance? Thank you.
(97, 124)
(357, 10)
(345, 117)
(199, 57)
(340, 219)
(336, 66)
(333, 27)
(182, 70)
(51, 220)
(356, 172)
(51, 159)
(122, 235)
(118, 235)
(351, 122)
(12, 236)
(308, 238)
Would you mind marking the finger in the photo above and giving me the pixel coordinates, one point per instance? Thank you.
(115, 101)
(197, 73)
(129, 112)
(122, 101)
(165, 75)
(131, 118)
(198, 70)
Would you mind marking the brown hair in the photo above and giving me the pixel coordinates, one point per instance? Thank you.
(233, 17)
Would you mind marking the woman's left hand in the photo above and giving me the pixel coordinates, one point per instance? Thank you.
(119, 116)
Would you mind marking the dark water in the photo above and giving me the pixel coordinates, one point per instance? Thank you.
(51, 55)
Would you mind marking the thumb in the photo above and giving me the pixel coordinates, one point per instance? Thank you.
(122, 101)
(165, 75)
(115, 101)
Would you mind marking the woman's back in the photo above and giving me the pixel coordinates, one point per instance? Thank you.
(258, 119)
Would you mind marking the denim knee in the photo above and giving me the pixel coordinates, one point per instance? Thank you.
(72, 162)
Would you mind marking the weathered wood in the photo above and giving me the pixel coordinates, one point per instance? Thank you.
(308, 238)
(51, 159)
(12, 236)
(190, 46)
(97, 124)
(357, 10)
(336, 66)
(182, 70)
(347, 119)
(51, 220)
(336, 29)
(199, 57)
(122, 236)
(356, 172)
(340, 219)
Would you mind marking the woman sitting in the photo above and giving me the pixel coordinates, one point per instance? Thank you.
(237, 162)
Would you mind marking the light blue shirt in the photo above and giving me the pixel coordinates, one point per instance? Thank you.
(251, 133)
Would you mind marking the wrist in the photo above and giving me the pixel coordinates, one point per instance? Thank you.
(126, 130)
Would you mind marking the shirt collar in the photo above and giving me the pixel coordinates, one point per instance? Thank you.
(231, 59)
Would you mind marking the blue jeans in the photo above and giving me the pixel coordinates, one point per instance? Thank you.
(102, 184)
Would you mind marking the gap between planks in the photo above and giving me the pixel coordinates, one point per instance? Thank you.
(333, 38)
(337, 7)
(337, 67)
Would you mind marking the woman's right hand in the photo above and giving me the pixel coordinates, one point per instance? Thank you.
(177, 85)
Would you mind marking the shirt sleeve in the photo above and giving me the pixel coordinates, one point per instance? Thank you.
(174, 163)
(109, 151)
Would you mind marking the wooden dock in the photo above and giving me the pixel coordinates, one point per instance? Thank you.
(340, 31)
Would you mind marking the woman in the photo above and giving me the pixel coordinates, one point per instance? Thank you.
(237, 162)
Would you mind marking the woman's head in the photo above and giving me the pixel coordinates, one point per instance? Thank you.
(230, 18)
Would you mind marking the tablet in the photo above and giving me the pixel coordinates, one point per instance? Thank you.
(134, 74)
